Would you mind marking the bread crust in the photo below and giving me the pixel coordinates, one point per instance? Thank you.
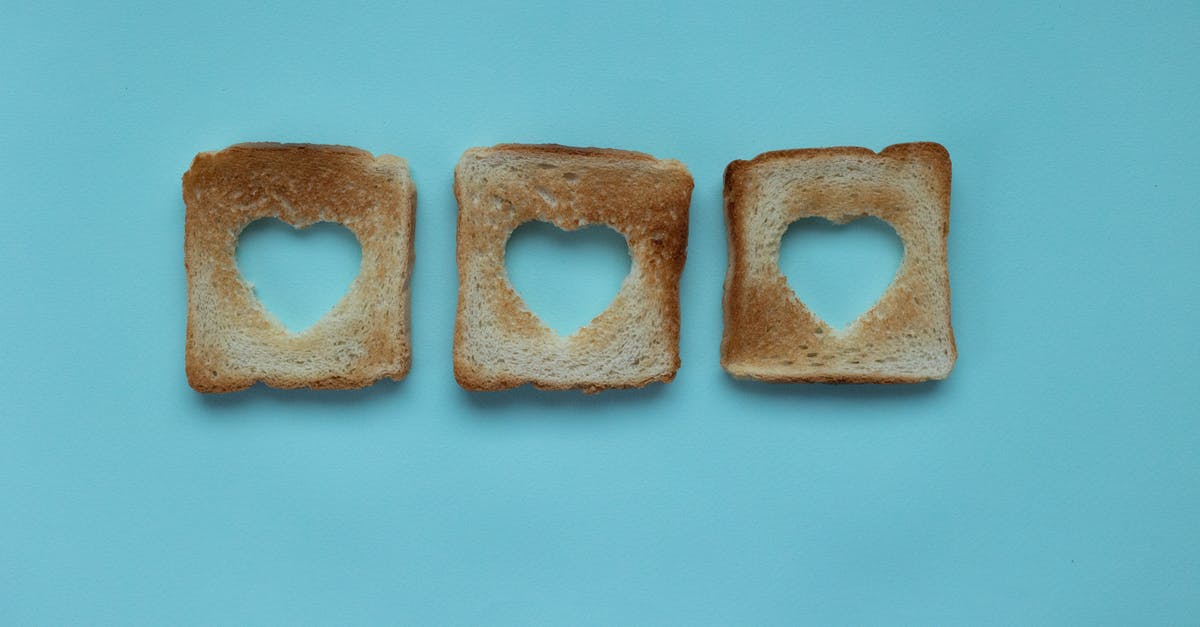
(643, 198)
(232, 341)
(769, 334)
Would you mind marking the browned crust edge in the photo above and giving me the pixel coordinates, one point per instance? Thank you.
(472, 383)
(575, 151)
(834, 379)
(206, 385)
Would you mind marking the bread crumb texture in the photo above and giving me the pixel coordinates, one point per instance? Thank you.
(498, 342)
(232, 340)
(770, 335)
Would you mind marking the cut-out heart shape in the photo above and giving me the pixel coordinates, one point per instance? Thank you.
(298, 274)
(840, 270)
(566, 277)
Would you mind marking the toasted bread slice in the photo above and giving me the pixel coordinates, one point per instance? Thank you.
(770, 335)
(232, 341)
(498, 342)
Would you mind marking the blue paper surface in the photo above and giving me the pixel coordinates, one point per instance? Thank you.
(1054, 478)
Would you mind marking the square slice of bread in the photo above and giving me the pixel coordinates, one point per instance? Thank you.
(232, 340)
(770, 335)
(498, 342)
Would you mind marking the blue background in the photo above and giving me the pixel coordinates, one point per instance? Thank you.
(1054, 478)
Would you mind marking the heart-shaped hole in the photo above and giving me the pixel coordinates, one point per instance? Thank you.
(566, 277)
(840, 271)
(298, 274)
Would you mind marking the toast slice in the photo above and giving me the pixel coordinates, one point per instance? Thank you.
(232, 340)
(498, 342)
(770, 335)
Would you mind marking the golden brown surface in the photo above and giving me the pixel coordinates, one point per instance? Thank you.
(232, 341)
(770, 335)
(498, 342)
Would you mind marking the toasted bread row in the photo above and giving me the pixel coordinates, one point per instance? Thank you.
(233, 342)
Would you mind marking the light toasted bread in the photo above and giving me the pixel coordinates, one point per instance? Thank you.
(770, 335)
(232, 341)
(498, 342)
